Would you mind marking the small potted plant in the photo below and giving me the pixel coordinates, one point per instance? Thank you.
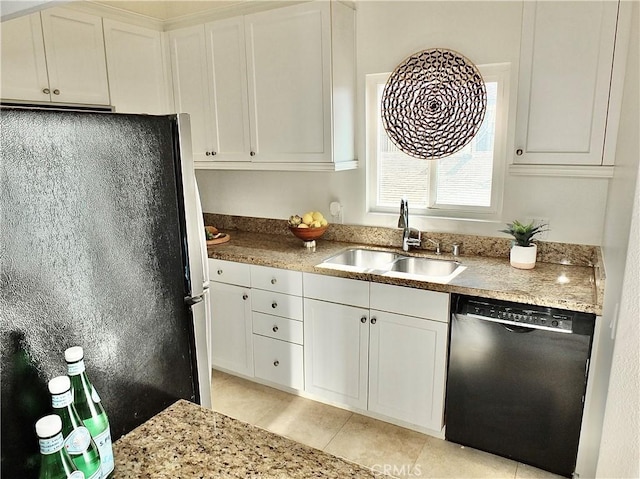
(523, 250)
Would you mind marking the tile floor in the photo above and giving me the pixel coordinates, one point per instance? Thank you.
(375, 444)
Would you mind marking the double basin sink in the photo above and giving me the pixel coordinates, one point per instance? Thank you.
(388, 263)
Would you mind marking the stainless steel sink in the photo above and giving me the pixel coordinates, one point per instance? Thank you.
(424, 266)
(388, 263)
(360, 259)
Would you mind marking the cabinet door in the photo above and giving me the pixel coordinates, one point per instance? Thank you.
(190, 86)
(336, 339)
(407, 368)
(24, 67)
(231, 334)
(288, 53)
(74, 46)
(565, 70)
(228, 86)
(136, 68)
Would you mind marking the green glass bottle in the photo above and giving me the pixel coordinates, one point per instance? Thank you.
(55, 463)
(89, 408)
(77, 438)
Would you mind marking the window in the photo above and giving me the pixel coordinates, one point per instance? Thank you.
(465, 184)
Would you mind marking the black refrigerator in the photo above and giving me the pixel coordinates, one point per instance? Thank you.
(101, 246)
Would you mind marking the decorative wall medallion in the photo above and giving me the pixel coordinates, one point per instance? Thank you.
(433, 103)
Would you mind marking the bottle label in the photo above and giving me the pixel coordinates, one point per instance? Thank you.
(94, 395)
(103, 441)
(73, 369)
(78, 441)
(76, 475)
(51, 444)
(59, 401)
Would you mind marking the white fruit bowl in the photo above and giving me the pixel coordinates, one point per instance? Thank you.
(308, 234)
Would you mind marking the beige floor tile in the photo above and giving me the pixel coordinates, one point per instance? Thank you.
(529, 472)
(309, 422)
(217, 376)
(245, 400)
(378, 445)
(443, 459)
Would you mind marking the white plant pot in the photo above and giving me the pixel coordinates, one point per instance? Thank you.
(523, 257)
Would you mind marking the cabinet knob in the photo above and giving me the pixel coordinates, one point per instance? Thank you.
(219, 272)
(253, 153)
(274, 280)
(245, 296)
(46, 91)
(207, 153)
(274, 305)
(276, 363)
(363, 319)
(275, 329)
(374, 320)
(214, 153)
(210, 153)
(519, 152)
(56, 92)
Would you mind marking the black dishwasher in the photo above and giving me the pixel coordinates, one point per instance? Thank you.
(516, 380)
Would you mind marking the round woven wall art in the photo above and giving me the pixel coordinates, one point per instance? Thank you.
(433, 103)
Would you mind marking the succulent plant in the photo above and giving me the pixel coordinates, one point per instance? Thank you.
(522, 233)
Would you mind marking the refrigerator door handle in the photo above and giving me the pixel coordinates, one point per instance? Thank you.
(191, 300)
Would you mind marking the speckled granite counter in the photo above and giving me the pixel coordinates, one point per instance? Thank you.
(578, 286)
(188, 441)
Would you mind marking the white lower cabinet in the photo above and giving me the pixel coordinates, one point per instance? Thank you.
(390, 364)
(407, 368)
(277, 326)
(231, 331)
(336, 339)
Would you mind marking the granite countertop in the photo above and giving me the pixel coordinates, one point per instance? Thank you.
(188, 441)
(567, 286)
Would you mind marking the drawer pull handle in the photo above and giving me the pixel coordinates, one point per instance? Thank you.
(373, 320)
(274, 280)
(245, 296)
(219, 271)
(276, 363)
(363, 319)
(519, 152)
(274, 305)
(275, 329)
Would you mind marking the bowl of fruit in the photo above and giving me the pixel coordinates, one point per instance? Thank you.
(309, 226)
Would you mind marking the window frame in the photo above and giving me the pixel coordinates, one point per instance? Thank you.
(497, 72)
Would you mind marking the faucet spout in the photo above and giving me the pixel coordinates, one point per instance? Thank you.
(403, 222)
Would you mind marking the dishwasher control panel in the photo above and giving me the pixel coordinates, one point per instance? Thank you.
(518, 314)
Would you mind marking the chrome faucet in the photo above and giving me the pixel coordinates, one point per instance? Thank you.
(403, 222)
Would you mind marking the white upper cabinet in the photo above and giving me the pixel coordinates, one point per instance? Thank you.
(190, 85)
(230, 137)
(566, 62)
(273, 90)
(24, 66)
(68, 52)
(136, 68)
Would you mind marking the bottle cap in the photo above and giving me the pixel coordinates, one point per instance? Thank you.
(48, 426)
(59, 385)
(74, 354)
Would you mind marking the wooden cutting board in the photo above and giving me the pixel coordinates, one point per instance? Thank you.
(222, 239)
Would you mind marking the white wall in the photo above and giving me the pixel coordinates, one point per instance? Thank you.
(388, 32)
(619, 455)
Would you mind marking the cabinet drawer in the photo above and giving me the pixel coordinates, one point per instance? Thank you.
(277, 304)
(336, 290)
(276, 279)
(420, 303)
(277, 327)
(278, 361)
(229, 272)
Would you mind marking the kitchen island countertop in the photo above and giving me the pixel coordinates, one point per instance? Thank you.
(189, 441)
(568, 287)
